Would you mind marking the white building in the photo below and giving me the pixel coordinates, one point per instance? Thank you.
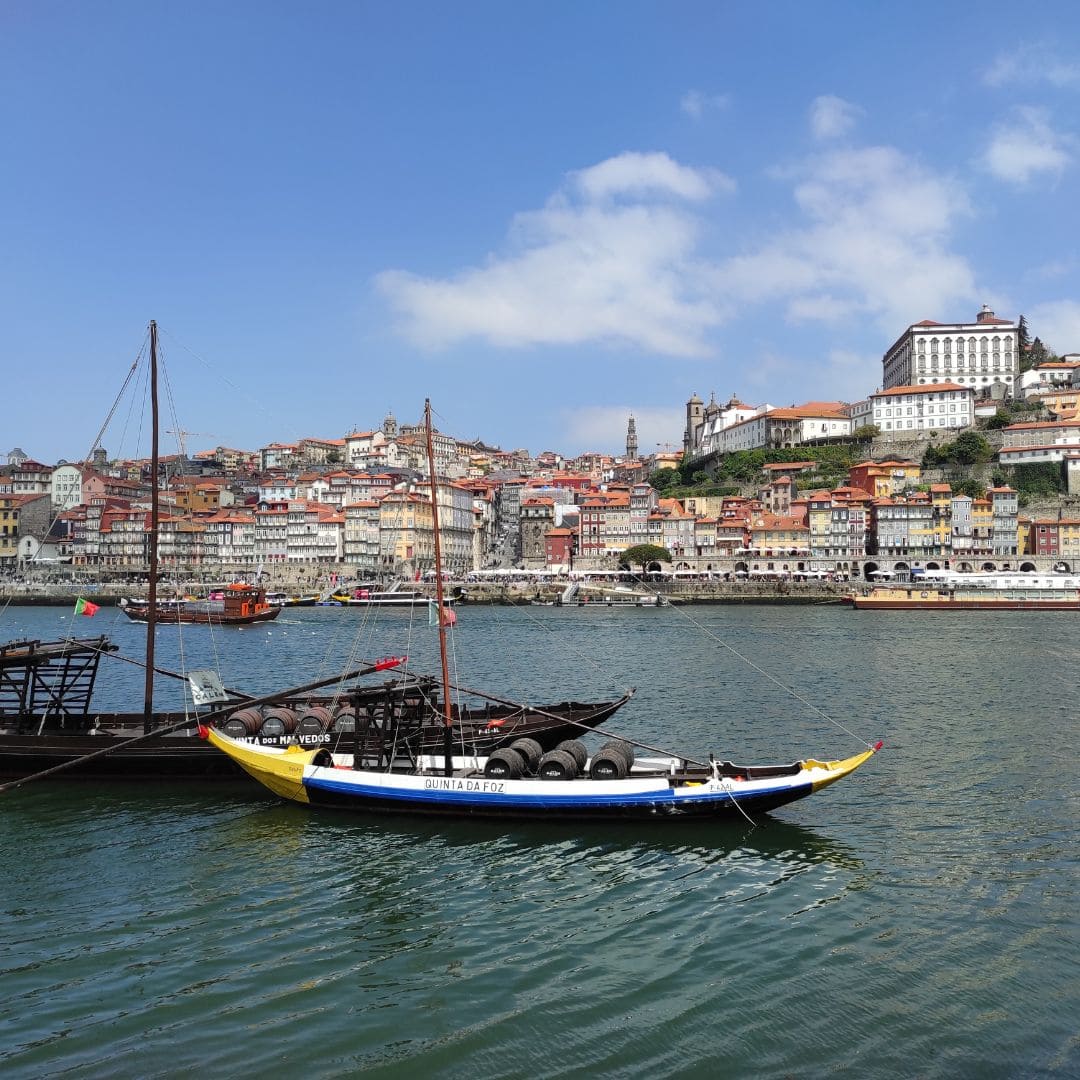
(777, 428)
(983, 355)
(912, 410)
(1055, 375)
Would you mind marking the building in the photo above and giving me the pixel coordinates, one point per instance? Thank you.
(913, 410)
(883, 479)
(983, 355)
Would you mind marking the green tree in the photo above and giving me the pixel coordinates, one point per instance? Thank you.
(867, 431)
(1000, 419)
(1039, 354)
(665, 479)
(1023, 336)
(970, 448)
(644, 554)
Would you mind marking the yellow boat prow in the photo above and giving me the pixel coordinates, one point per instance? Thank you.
(837, 770)
(282, 773)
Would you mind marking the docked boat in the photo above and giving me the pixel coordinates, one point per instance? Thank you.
(49, 725)
(283, 599)
(235, 605)
(955, 591)
(396, 596)
(386, 770)
(47, 719)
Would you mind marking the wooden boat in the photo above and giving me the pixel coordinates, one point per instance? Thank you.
(974, 592)
(237, 605)
(386, 770)
(48, 723)
(47, 719)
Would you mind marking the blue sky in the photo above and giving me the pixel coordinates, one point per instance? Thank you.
(544, 216)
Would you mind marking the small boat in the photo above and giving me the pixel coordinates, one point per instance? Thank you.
(283, 599)
(235, 605)
(956, 591)
(396, 596)
(387, 771)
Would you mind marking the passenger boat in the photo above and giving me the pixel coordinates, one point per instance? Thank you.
(395, 596)
(235, 605)
(955, 591)
(386, 769)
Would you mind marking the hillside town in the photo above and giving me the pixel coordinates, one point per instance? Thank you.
(360, 505)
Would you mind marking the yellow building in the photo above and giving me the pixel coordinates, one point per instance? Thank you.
(406, 533)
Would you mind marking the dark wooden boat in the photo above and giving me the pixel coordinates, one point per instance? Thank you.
(236, 605)
(47, 719)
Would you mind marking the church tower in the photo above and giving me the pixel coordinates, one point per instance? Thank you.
(389, 426)
(694, 420)
(631, 440)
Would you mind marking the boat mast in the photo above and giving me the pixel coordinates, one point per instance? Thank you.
(448, 747)
(151, 613)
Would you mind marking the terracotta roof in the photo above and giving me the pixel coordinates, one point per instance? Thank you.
(932, 388)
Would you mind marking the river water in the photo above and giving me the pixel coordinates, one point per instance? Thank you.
(917, 919)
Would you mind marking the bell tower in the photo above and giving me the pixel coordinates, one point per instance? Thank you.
(631, 440)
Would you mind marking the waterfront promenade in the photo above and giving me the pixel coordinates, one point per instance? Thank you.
(509, 592)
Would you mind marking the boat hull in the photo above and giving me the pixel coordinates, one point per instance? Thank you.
(197, 618)
(965, 602)
(294, 775)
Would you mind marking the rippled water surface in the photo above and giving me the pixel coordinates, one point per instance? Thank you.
(918, 919)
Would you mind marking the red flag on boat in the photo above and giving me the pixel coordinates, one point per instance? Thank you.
(85, 607)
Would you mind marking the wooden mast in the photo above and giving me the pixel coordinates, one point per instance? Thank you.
(151, 614)
(448, 742)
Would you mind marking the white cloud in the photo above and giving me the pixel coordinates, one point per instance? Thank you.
(603, 428)
(873, 243)
(617, 257)
(694, 103)
(831, 117)
(1030, 63)
(583, 269)
(1057, 325)
(1025, 146)
(641, 174)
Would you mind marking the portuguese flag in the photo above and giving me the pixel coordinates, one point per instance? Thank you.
(85, 607)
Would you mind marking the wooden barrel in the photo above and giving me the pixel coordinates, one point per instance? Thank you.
(313, 721)
(279, 721)
(242, 723)
(344, 719)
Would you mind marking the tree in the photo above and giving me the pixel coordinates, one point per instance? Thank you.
(867, 431)
(1023, 337)
(970, 448)
(644, 554)
(665, 479)
(1000, 419)
(1039, 354)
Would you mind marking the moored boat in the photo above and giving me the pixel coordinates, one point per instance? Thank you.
(382, 772)
(396, 596)
(974, 592)
(235, 605)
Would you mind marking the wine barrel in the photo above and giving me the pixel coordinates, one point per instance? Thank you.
(243, 723)
(279, 721)
(313, 721)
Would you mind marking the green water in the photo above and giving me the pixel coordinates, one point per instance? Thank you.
(918, 919)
